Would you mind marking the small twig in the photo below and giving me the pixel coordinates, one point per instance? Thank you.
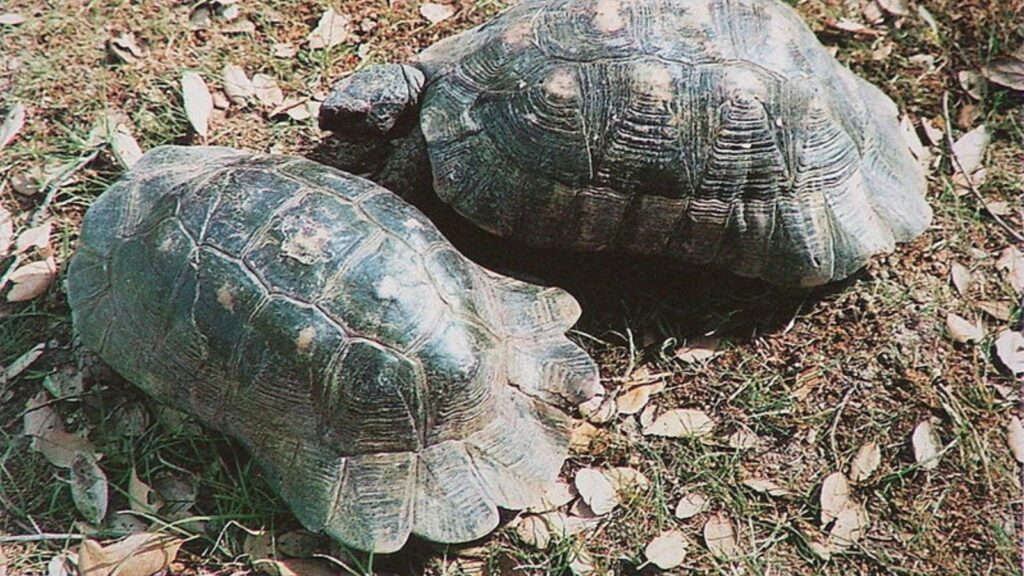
(39, 538)
(967, 177)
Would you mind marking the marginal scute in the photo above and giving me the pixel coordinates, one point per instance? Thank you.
(336, 334)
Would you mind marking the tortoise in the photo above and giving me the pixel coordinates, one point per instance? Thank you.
(386, 384)
(715, 132)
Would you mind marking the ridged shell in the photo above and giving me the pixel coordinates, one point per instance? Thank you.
(711, 131)
(387, 385)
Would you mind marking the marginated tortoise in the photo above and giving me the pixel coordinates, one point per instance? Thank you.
(710, 131)
(386, 384)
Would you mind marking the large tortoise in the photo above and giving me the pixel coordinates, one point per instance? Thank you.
(710, 131)
(386, 384)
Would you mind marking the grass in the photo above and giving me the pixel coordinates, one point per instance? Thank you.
(812, 375)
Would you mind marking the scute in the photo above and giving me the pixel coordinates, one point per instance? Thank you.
(333, 331)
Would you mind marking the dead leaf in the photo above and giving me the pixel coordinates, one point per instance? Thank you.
(60, 448)
(333, 29)
(142, 554)
(970, 149)
(851, 524)
(295, 107)
(963, 330)
(582, 564)
(743, 439)
(1011, 263)
(533, 531)
(31, 280)
(698, 350)
(648, 415)
(934, 135)
(691, 504)
(35, 237)
(556, 495)
(1015, 439)
(26, 183)
(240, 26)
(835, 495)
(868, 457)
(894, 7)
(636, 398)
(299, 543)
(917, 148)
(296, 567)
(626, 480)
(681, 423)
(13, 123)
(435, 13)
(999, 310)
(847, 25)
(596, 490)
(961, 277)
(6, 232)
(926, 445)
(972, 82)
(582, 435)
(141, 497)
(267, 91)
(1010, 350)
(126, 48)
(198, 102)
(3, 562)
(872, 12)
(599, 409)
(125, 147)
(720, 537)
(1007, 71)
(11, 19)
(237, 86)
(89, 488)
(765, 486)
(21, 363)
(40, 418)
(667, 550)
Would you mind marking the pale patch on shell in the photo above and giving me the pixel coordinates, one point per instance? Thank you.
(226, 298)
(561, 84)
(607, 16)
(518, 35)
(654, 80)
(307, 246)
(387, 289)
(304, 341)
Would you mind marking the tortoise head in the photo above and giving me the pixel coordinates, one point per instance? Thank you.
(379, 102)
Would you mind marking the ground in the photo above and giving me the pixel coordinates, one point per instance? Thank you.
(812, 376)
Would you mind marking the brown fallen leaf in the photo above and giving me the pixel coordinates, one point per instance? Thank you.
(599, 409)
(867, 460)
(35, 237)
(126, 48)
(11, 19)
(60, 448)
(681, 423)
(141, 497)
(743, 439)
(835, 495)
(40, 418)
(31, 280)
(1000, 310)
(963, 330)
(691, 504)
(894, 7)
(89, 490)
(961, 277)
(582, 435)
(284, 50)
(300, 543)
(925, 443)
(850, 526)
(634, 399)
(1011, 263)
(556, 495)
(972, 82)
(970, 149)
(237, 86)
(1015, 438)
(6, 232)
(142, 554)
(533, 531)
(1010, 350)
(13, 123)
(720, 537)
(1007, 71)
(667, 550)
(436, 13)
(765, 486)
(332, 29)
(698, 350)
(198, 102)
(626, 480)
(267, 91)
(596, 490)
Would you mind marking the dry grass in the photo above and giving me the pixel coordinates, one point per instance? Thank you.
(814, 376)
